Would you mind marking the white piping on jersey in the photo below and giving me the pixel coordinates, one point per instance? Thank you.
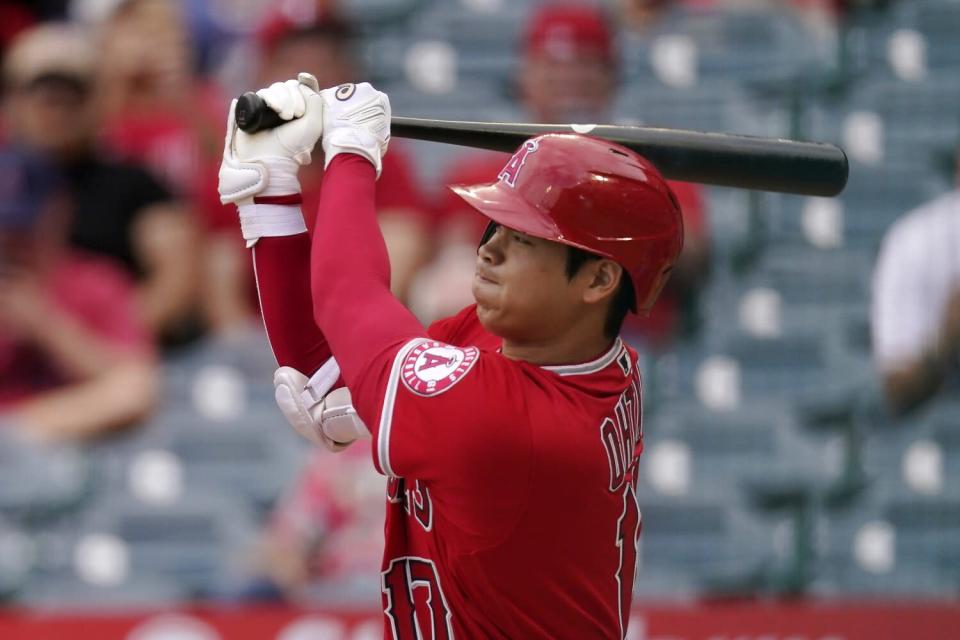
(386, 414)
(589, 367)
(263, 316)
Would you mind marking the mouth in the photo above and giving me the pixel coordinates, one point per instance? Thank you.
(484, 277)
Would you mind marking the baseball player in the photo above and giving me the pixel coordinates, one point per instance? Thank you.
(509, 432)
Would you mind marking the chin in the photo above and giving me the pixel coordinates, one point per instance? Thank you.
(482, 297)
(483, 314)
(487, 318)
(496, 324)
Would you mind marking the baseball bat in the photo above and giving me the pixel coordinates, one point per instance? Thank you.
(746, 162)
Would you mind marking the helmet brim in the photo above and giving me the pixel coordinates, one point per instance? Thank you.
(502, 205)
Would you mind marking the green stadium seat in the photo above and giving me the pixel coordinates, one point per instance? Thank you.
(38, 484)
(17, 557)
(198, 541)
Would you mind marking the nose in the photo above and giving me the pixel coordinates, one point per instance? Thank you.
(491, 251)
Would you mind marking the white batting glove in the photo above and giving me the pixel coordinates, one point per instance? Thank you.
(318, 414)
(356, 119)
(259, 171)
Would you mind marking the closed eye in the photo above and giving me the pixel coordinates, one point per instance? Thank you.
(522, 239)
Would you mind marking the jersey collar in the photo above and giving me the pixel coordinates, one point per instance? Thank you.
(593, 366)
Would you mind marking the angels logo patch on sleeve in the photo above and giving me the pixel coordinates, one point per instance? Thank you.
(433, 367)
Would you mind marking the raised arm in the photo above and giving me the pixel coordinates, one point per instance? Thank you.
(365, 324)
(259, 175)
(282, 267)
(425, 402)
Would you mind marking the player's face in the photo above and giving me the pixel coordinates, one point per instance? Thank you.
(522, 289)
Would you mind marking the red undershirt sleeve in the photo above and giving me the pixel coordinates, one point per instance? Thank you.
(352, 304)
(282, 267)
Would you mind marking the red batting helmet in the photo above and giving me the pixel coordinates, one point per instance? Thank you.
(591, 194)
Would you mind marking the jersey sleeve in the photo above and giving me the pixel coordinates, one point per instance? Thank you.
(455, 419)
(444, 410)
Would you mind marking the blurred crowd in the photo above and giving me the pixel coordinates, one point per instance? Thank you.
(116, 254)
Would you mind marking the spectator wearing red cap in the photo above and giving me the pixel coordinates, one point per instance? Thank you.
(567, 74)
(75, 358)
(320, 44)
(568, 68)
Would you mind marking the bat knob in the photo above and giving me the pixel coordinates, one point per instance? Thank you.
(253, 114)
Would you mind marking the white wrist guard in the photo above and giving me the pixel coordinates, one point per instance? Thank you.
(270, 221)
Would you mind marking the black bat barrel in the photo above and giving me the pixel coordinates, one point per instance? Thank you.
(747, 162)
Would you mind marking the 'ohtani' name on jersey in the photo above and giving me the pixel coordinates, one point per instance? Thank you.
(622, 434)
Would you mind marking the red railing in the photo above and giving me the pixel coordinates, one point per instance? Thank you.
(724, 621)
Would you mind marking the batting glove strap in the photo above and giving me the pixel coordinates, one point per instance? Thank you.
(270, 221)
(339, 420)
(353, 141)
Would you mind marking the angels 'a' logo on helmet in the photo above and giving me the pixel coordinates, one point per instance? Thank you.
(510, 172)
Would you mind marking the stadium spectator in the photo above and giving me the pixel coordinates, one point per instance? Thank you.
(568, 73)
(327, 530)
(321, 44)
(154, 107)
(915, 314)
(644, 19)
(75, 359)
(156, 110)
(641, 16)
(120, 211)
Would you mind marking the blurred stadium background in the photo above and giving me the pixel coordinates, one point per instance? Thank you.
(780, 496)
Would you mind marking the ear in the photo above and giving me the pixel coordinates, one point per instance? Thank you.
(604, 279)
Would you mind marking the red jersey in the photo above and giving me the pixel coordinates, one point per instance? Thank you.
(512, 507)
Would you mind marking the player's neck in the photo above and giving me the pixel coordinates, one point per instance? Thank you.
(568, 349)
